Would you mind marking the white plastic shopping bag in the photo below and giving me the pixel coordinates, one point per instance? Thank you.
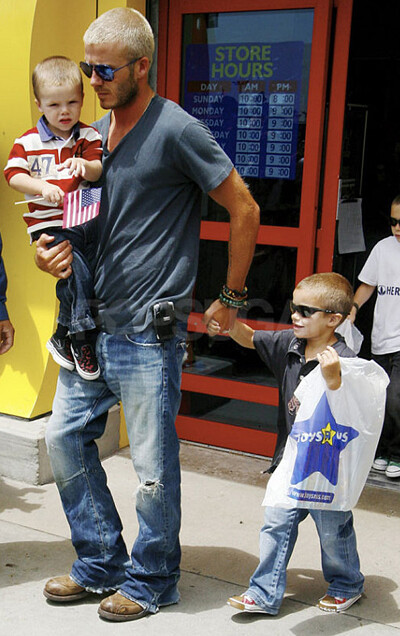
(331, 447)
(352, 336)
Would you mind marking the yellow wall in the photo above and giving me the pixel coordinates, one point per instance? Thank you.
(29, 31)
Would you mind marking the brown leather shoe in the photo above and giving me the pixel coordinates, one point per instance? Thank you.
(119, 608)
(63, 589)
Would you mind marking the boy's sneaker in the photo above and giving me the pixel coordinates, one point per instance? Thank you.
(393, 469)
(60, 349)
(246, 604)
(336, 604)
(85, 361)
(380, 464)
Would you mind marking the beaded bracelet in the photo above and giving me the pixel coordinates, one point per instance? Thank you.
(234, 293)
(233, 298)
(228, 302)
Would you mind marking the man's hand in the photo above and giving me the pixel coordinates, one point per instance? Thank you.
(224, 316)
(330, 368)
(6, 336)
(54, 260)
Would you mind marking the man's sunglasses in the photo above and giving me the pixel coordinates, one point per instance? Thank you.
(306, 312)
(104, 71)
(394, 221)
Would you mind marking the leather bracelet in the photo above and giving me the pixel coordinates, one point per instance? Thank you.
(357, 307)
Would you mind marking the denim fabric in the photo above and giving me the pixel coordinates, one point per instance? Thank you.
(340, 562)
(145, 375)
(389, 443)
(75, 293)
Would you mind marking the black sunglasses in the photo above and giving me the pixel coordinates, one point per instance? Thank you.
(306, 312)
(394, 221)
(104, 71)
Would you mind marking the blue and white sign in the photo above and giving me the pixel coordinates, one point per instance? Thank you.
(248, 95)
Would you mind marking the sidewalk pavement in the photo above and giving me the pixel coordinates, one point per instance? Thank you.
(222, 516)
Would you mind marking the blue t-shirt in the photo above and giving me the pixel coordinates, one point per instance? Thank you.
(149, 221)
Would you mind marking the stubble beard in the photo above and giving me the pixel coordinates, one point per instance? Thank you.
(125, 94)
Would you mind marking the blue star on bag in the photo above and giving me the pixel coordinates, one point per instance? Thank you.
(320, 440)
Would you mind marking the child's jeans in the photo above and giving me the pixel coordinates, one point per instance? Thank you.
(340, 562)
(389, 443)
(75, 293)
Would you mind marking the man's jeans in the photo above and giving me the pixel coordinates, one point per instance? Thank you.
(340, 562)
(75, 293)
(145, 375)
(389, 443)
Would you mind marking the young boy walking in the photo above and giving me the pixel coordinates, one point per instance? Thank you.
(381, 272)
(60, 155)
(320, 303)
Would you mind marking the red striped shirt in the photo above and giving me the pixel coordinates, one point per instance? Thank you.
(37, 154)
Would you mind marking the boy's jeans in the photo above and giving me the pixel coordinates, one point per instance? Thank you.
(75, 293)
(340, 562)
(145, 375)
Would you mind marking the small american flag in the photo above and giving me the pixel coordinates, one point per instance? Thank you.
(81, 206)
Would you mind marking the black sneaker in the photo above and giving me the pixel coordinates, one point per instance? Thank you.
(60, 349)
(85, 361)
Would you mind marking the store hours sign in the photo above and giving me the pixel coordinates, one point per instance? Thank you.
(248, 95)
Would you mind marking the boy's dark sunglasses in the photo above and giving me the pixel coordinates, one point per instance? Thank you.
(394, 221)
(104, 71)
(306, 312)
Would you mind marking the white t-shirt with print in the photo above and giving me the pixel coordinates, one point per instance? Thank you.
(382, 270)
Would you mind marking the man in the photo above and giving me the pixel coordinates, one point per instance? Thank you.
(6, 328)
(157, 160)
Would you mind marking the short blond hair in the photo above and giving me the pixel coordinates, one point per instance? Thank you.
(123, 26)
(333, 290)
(56, 71)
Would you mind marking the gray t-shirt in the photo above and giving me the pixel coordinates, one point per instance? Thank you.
(149, 221)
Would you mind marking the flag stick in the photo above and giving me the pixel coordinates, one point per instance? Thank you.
(28, 201)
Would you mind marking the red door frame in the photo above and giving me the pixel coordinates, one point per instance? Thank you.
(305, 237)
(333, 150)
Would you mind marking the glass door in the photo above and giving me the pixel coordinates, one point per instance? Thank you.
(246, 75)
(255, 73)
